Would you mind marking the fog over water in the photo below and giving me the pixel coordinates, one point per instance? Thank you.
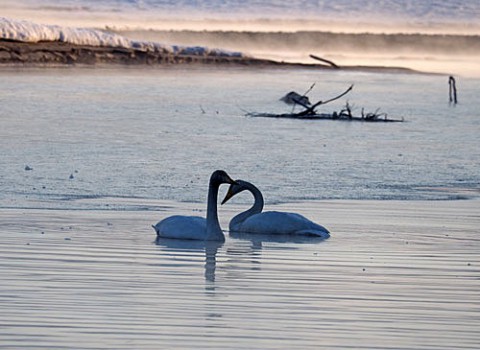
(433, 36)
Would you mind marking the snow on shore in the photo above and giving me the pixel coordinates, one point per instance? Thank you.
(25, 31)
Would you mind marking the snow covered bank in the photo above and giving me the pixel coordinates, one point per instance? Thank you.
(27, 43)
(24, 31)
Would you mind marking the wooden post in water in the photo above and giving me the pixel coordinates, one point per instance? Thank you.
(452, 90)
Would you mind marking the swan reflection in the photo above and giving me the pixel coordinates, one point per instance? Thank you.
(241, 248)
(258, 239)
(210, 248)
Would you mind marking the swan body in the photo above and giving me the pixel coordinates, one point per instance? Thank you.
(254, 220)
(195, 227)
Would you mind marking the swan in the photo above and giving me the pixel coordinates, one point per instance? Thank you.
(254, 220)
(195, 227)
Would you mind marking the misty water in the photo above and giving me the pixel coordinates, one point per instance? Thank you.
(92, 157)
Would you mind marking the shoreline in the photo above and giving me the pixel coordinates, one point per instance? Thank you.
(146, 205)
(58, 54)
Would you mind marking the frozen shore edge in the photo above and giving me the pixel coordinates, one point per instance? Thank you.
(24, 43)
(56, 53)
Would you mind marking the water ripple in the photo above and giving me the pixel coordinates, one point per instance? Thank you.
(395, 281)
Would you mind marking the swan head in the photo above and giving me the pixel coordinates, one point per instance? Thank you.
(221, 177)
(234, 189)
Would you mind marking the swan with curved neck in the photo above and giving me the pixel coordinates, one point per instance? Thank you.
(195, 227)
(254, 220)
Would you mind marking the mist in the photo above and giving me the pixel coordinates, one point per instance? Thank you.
(438, 53)
(432, 36)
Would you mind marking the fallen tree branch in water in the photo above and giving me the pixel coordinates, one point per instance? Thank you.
(310, 113)
(311, 109)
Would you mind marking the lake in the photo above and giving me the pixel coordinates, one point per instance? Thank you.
(91, 158)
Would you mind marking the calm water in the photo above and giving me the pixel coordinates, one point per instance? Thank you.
(159, 133)
(114, 151)
(394, 275)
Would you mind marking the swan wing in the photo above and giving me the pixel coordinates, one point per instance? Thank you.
(182, 227)
(274, 222)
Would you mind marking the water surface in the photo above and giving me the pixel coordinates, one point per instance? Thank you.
(395, 275)
(160, 133)
(90, 158)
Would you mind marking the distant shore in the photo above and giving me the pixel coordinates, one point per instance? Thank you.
(55, 53)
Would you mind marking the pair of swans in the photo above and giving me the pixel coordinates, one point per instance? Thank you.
(252, 220)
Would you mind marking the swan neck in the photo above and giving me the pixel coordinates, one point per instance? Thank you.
(256, 208)
(214, 231)
(258, 199)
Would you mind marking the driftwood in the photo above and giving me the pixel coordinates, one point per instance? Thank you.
(345, 116)
(293, 98)
(325, 61)
(452, 90)
(310, 113)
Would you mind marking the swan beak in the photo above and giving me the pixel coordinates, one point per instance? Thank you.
(229, 195)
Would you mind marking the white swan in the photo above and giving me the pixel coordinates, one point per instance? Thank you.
(195, 227)
(254, 220)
